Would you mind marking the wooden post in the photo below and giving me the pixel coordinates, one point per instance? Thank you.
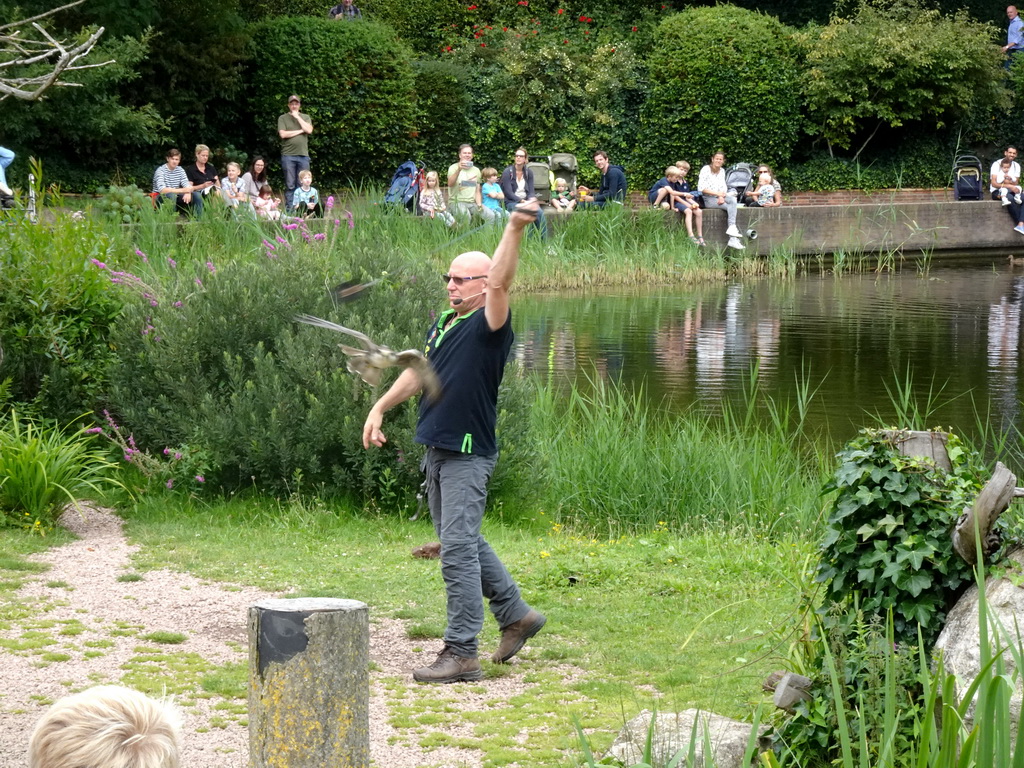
(309, 684)
(929, 445)
(993, 500)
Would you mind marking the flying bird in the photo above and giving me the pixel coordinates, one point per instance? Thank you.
(368, 363)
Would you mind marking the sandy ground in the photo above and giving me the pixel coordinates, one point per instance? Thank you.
(212, 616)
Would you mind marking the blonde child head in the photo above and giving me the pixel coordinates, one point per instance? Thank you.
(683, 166)
(672, 172)
(561, 184)
(431, 179)
(305, 176)
(765, 178)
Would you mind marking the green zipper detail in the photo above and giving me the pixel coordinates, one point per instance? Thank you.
(467, 443)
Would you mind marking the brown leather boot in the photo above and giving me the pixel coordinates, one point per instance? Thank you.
(449, 668)
(515, 635)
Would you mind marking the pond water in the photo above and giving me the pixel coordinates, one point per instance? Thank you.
(954, 331)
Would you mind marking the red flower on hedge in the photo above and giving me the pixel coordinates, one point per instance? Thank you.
(634, 29)
(583, 18)
(524, 2)
(566, 42)
(471, 8)
(504, 29)
(560, 11)
(483, 45)
(586, 31)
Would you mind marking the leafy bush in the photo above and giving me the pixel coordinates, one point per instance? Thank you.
(43, 469)
(356, 83)
(124, 205)
(56, 313)
(443, 122)
(866, 687)
(888, 543)
(823, 173)
(722, 78)
(222, 368)
(896, 62)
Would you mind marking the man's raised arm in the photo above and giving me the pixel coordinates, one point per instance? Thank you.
(505, 262)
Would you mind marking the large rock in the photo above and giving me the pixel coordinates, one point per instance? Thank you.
(672, 732)
(960, 642)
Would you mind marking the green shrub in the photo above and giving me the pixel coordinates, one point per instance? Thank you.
(722, 78)
(896, 63)
(888, 543)
(550, 96)
(56, 311)
(124, 205)
(43, 469)
(443, 122)
(222, 368)
(356, 83)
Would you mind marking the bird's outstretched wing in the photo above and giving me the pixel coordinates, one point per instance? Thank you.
(310, 320)
(413, 358)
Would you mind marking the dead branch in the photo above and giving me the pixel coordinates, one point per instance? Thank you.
(63, 56)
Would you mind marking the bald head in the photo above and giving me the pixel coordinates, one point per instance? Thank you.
(1011, 12)
(474, 262)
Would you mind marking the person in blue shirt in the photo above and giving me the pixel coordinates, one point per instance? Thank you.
(1014, 35)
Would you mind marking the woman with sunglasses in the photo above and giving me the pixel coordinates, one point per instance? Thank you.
(517, 185)
(750, 199)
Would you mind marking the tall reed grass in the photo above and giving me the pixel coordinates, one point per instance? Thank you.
(617, 464)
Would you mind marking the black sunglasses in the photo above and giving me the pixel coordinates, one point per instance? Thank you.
(461, 280)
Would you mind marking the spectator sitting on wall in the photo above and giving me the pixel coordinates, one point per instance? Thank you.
(613, 182)
(1015, 210)
(202, 176)
(171, 183)
(751, 197)
(344, 11)
(711, 184)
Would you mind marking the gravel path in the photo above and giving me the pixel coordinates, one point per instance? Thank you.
(86, 625)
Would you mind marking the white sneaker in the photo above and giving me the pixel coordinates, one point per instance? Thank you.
(6, 190)
(1005, 199)
(1017, 199)
(733, 231)
(734, 242)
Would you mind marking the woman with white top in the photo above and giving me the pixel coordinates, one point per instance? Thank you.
(517, 185)
(716, 193)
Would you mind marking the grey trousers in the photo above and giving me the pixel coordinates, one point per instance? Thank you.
(729, 205)
(456, 495)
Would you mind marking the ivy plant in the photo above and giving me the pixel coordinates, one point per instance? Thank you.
(888, 539)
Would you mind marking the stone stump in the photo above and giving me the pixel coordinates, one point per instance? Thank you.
(309, 684)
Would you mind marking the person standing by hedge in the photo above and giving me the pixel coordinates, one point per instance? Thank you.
(716, 193)
(1014, 35)
(468, 346)
(294, 128)
(344, 11)
(464, 195)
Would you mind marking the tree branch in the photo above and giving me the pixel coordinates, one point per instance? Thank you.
(60, 55)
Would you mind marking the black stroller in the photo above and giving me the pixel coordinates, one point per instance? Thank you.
(967, 178)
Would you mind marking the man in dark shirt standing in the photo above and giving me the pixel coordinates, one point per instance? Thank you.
(468, 347)
(294, 128)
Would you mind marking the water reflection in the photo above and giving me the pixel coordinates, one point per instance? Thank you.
(955, 331)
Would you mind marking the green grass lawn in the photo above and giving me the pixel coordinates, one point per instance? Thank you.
(657, 619)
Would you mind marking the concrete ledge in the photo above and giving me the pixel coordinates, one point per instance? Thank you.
(937, 227)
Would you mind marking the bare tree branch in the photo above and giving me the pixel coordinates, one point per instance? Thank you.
(62, 56)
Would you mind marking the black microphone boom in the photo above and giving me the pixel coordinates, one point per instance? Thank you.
(456, 302)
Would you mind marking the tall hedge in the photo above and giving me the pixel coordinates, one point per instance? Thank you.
(356, 83)
(722, 78)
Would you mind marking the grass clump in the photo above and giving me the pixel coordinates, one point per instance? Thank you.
(164, 637)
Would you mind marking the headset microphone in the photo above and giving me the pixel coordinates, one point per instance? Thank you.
(456, 302)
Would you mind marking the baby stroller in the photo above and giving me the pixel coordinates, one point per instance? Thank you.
(739, 178)
(541, 178)
(404, 190)
(564, 166)
(967, 178)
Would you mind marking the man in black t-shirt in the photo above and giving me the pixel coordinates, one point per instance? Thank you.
(468, 347)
